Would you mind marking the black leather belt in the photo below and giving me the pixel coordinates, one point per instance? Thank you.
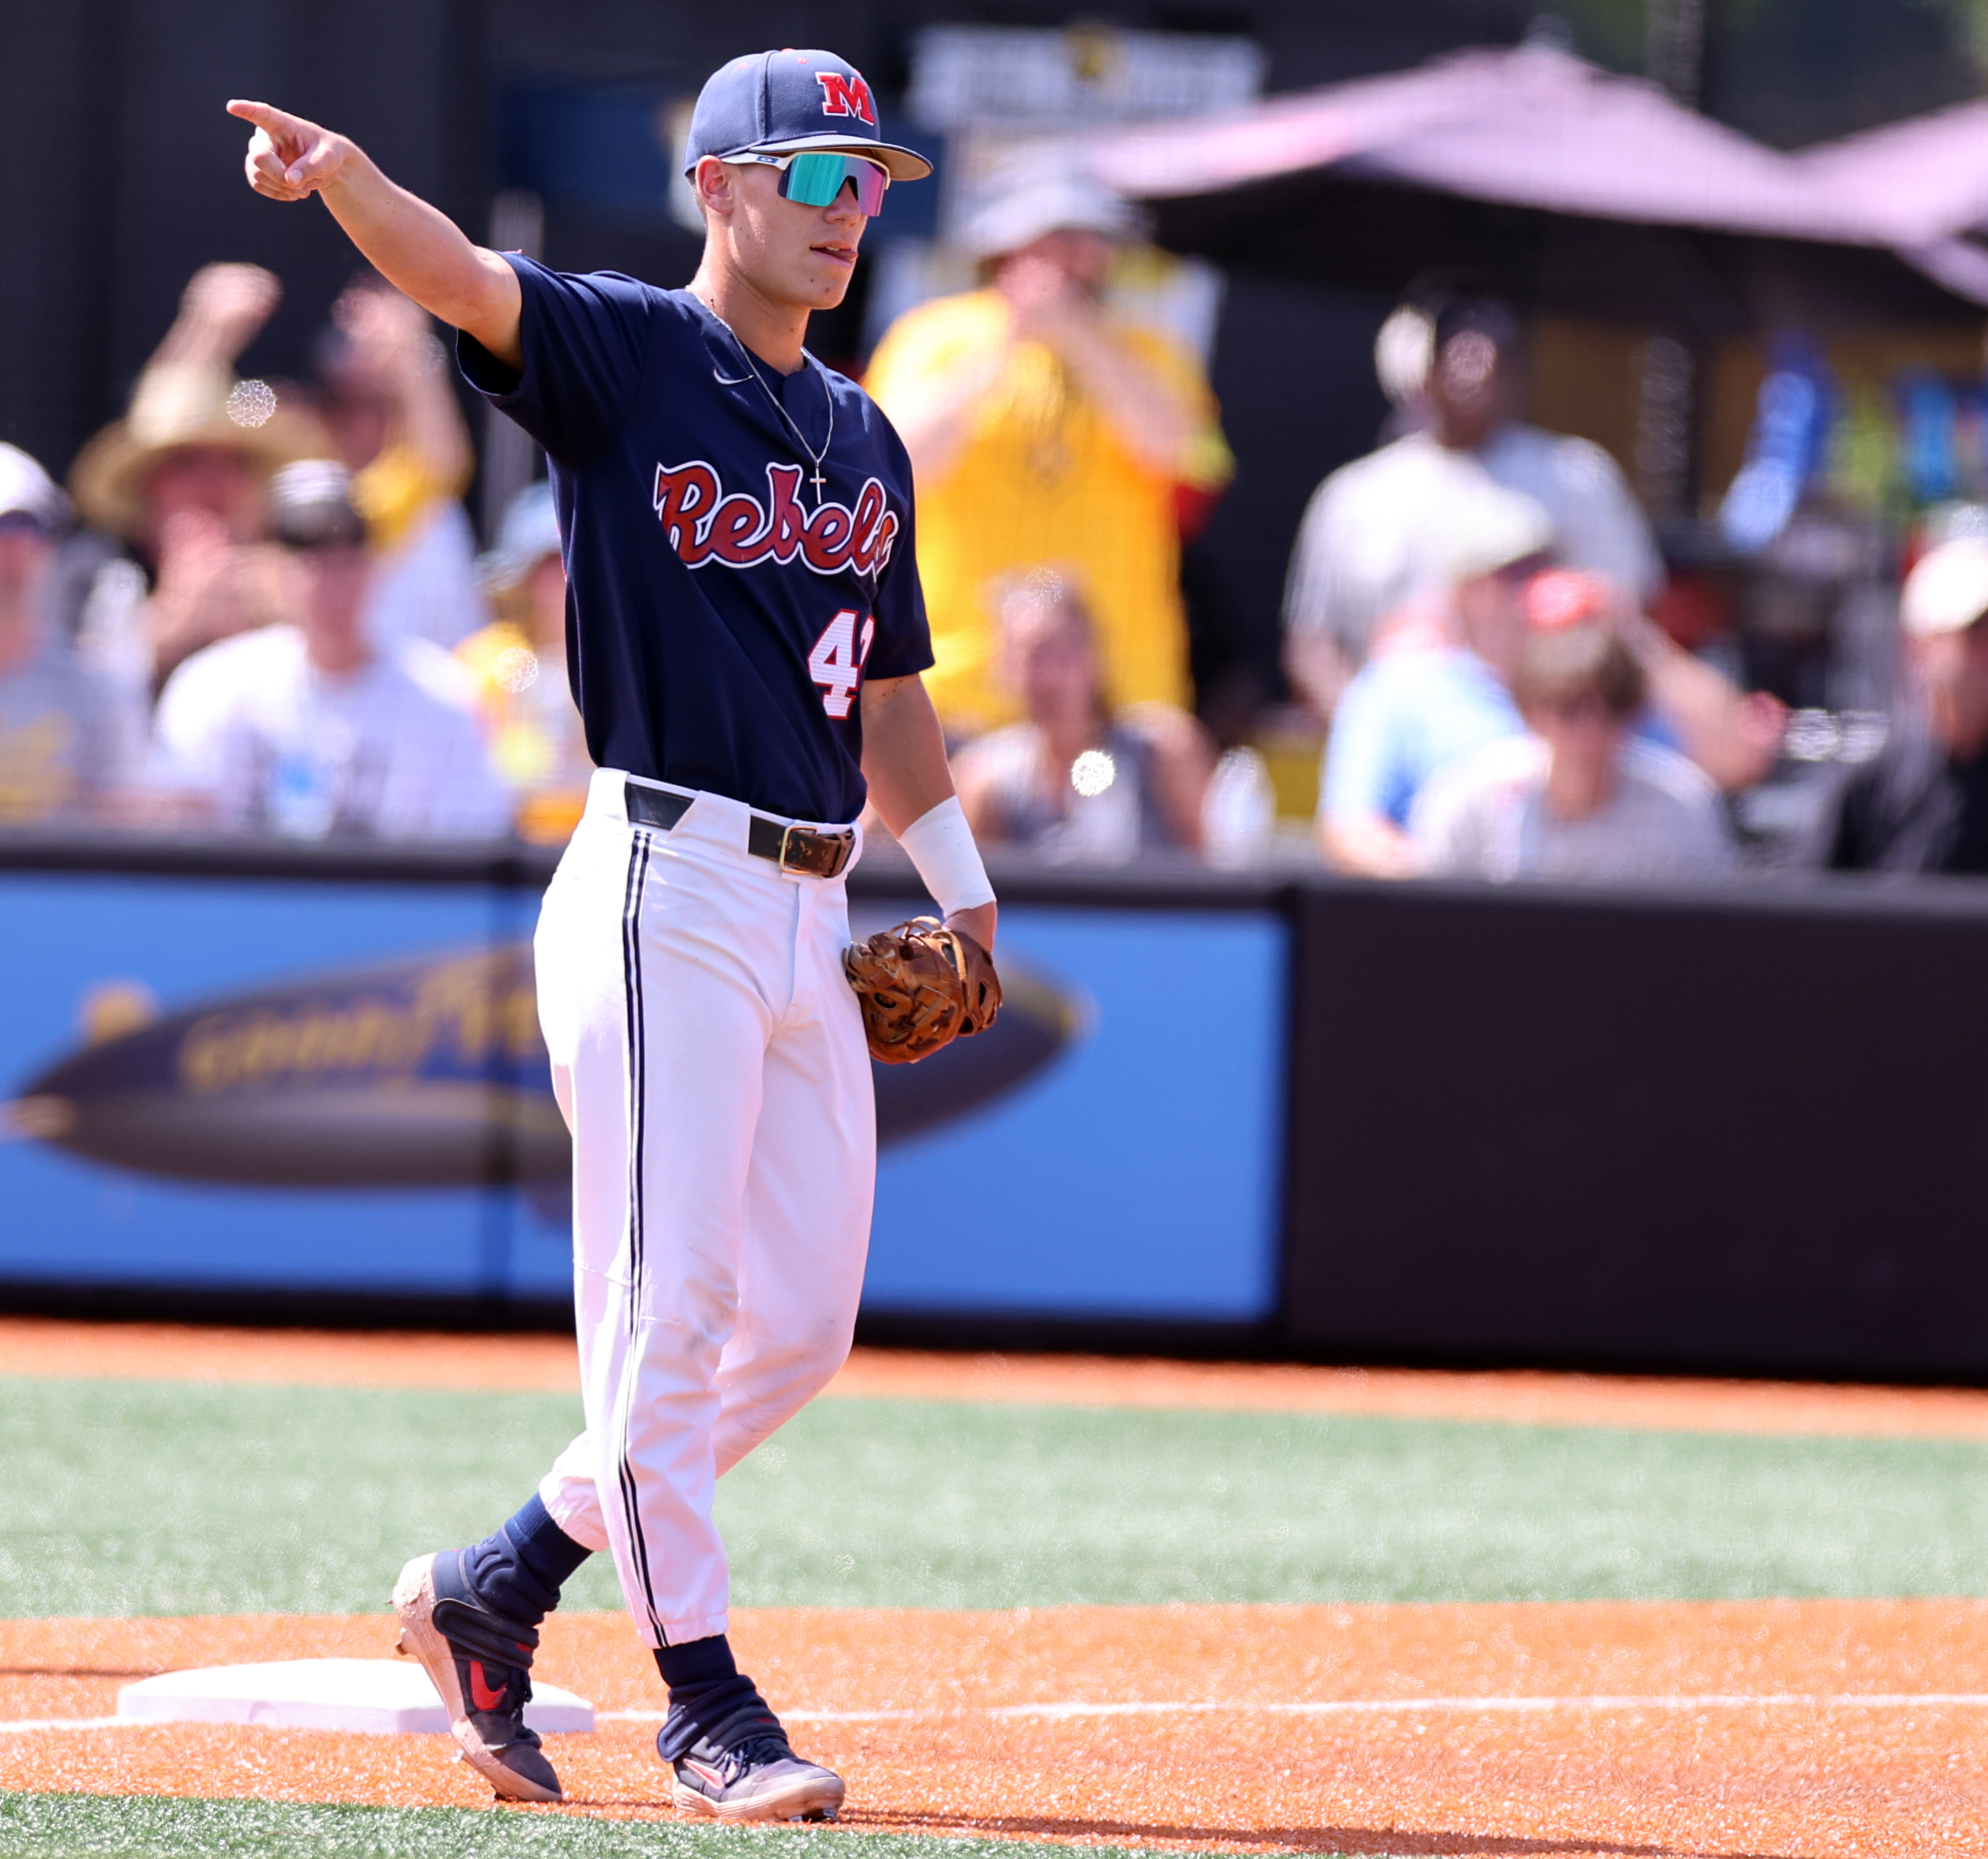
(793, 848)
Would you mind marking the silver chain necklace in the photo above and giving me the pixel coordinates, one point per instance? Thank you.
(818, 480)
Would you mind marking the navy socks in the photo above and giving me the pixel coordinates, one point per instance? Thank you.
(696, 1664)
(516, 1572)
(711, 1700)
(519, 1570)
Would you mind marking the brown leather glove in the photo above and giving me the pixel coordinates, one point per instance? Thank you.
(921, 986)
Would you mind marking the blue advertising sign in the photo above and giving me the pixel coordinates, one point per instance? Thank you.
(340, 1087)
(94, 959)
(1136, 1177)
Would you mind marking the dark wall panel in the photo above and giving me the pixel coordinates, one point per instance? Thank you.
(1750, 1136)
(120, 174)
(61, 103)
(404, 81)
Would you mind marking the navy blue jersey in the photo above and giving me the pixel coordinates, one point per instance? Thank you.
(722, 608)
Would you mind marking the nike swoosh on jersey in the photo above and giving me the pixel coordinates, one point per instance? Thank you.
(727, 380)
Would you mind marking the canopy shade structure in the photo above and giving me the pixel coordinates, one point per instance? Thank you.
(1926, 180)
(1572, 188)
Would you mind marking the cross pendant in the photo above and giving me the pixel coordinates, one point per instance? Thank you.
(819, 483)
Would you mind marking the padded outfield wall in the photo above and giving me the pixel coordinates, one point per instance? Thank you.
(1743, 1131)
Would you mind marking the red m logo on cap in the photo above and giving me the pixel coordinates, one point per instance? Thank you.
(846, 97)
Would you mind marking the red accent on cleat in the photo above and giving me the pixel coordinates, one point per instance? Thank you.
(480, 1693)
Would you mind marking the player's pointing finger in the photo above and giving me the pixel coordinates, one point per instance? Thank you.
(289, 157)
(264, 116)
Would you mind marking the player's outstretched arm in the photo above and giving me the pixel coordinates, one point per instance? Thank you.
(415, 248)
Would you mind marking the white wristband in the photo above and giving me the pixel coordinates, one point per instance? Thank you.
(940, 843)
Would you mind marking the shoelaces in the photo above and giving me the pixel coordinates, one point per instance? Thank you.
(751, 1755)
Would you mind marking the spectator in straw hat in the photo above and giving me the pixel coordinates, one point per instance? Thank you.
(62, 758)
(310, 729)
(1920, 803)
(181, 480)
(1042, 428)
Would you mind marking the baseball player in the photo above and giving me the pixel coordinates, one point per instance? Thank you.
(745, 637)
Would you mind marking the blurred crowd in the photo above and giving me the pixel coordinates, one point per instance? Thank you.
(260, 607)
(1469, 604)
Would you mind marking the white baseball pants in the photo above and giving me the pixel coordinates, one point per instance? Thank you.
(709, 1056)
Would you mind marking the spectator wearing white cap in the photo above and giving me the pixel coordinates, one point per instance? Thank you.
(517, 669)
(1439, 686)
(1434, 698)
(311, 729)
(62, 758)
(1044, 428)
(1920, 803)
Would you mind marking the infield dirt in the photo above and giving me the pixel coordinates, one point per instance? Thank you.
(1819, 1729)
(1761, 1728)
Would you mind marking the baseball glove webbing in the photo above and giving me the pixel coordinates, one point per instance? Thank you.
(921, 986)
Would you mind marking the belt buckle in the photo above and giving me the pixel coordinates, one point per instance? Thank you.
(812, 854)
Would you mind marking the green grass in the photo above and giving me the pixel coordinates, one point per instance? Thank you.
(56, 1825)
(174, 1498)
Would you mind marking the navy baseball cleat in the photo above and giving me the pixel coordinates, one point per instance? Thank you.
(480, 1663)
(762, 1780)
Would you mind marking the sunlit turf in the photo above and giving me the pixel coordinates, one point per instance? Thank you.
(56, 1825)
(153, 1497)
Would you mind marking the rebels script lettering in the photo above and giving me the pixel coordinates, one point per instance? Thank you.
(704, 525)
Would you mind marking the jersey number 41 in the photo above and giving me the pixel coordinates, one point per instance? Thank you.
(837, 662)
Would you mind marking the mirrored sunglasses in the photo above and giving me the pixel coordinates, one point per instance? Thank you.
(816, 177)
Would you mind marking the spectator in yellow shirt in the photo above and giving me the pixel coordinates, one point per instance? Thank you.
(1043, 428)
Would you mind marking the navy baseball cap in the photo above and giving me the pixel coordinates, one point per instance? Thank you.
(781, 102)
